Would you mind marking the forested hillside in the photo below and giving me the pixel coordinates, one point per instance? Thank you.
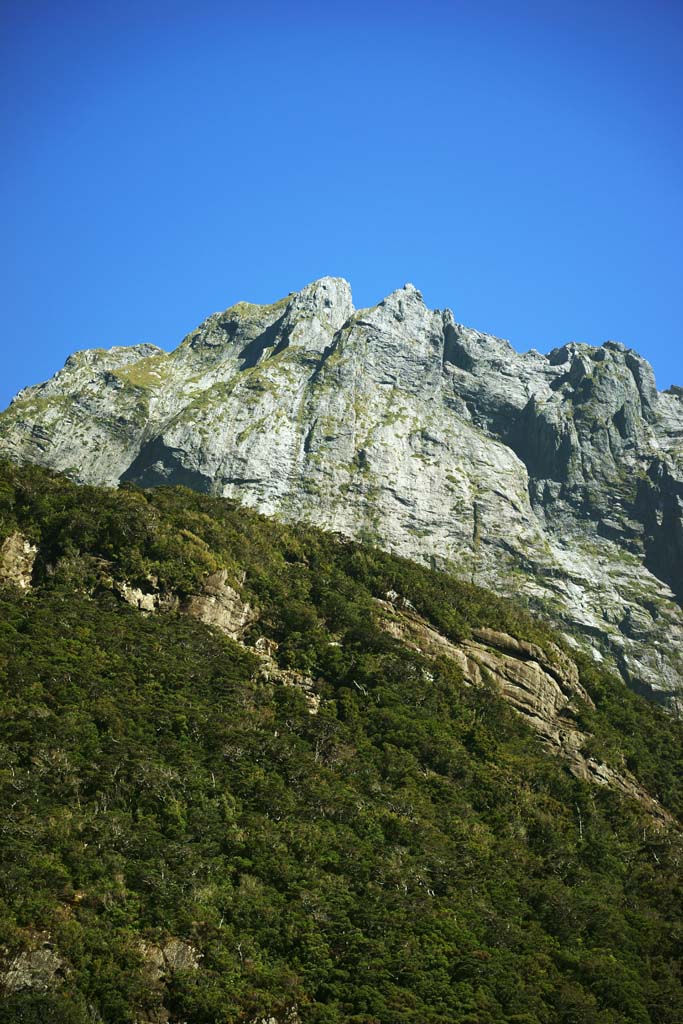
(319, 821)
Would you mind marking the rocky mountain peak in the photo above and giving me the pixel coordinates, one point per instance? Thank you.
(329, 299)
(404, 303)
(408, 293)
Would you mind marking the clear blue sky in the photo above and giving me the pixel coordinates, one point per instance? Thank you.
(520, 163)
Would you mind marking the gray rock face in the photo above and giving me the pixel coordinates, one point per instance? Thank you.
(36, 970)
(557, 478)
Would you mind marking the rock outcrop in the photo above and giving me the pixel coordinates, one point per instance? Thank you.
(165, 959)
(271, 672)
(220, 605)
(217, 604)
(556, 478)
(36, 970)
(17, 557)
(541, 684)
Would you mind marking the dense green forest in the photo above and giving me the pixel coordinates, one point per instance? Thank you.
(183, 840)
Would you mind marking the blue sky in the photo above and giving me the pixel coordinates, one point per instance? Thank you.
(520, 163)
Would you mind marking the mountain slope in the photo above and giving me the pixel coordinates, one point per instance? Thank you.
(555, 477)
(330, 818)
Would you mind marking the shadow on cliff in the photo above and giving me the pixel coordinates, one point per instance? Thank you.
(156, 465)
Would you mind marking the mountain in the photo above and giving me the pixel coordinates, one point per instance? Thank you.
(255, 773)
(557, 478)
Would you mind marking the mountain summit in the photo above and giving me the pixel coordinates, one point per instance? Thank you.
(557, 478)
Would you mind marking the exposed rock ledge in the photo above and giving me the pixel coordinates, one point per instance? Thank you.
(174, 955)
(220, 606)
(271, 672)
(541, 684)
(17, 556)
(38, 970)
